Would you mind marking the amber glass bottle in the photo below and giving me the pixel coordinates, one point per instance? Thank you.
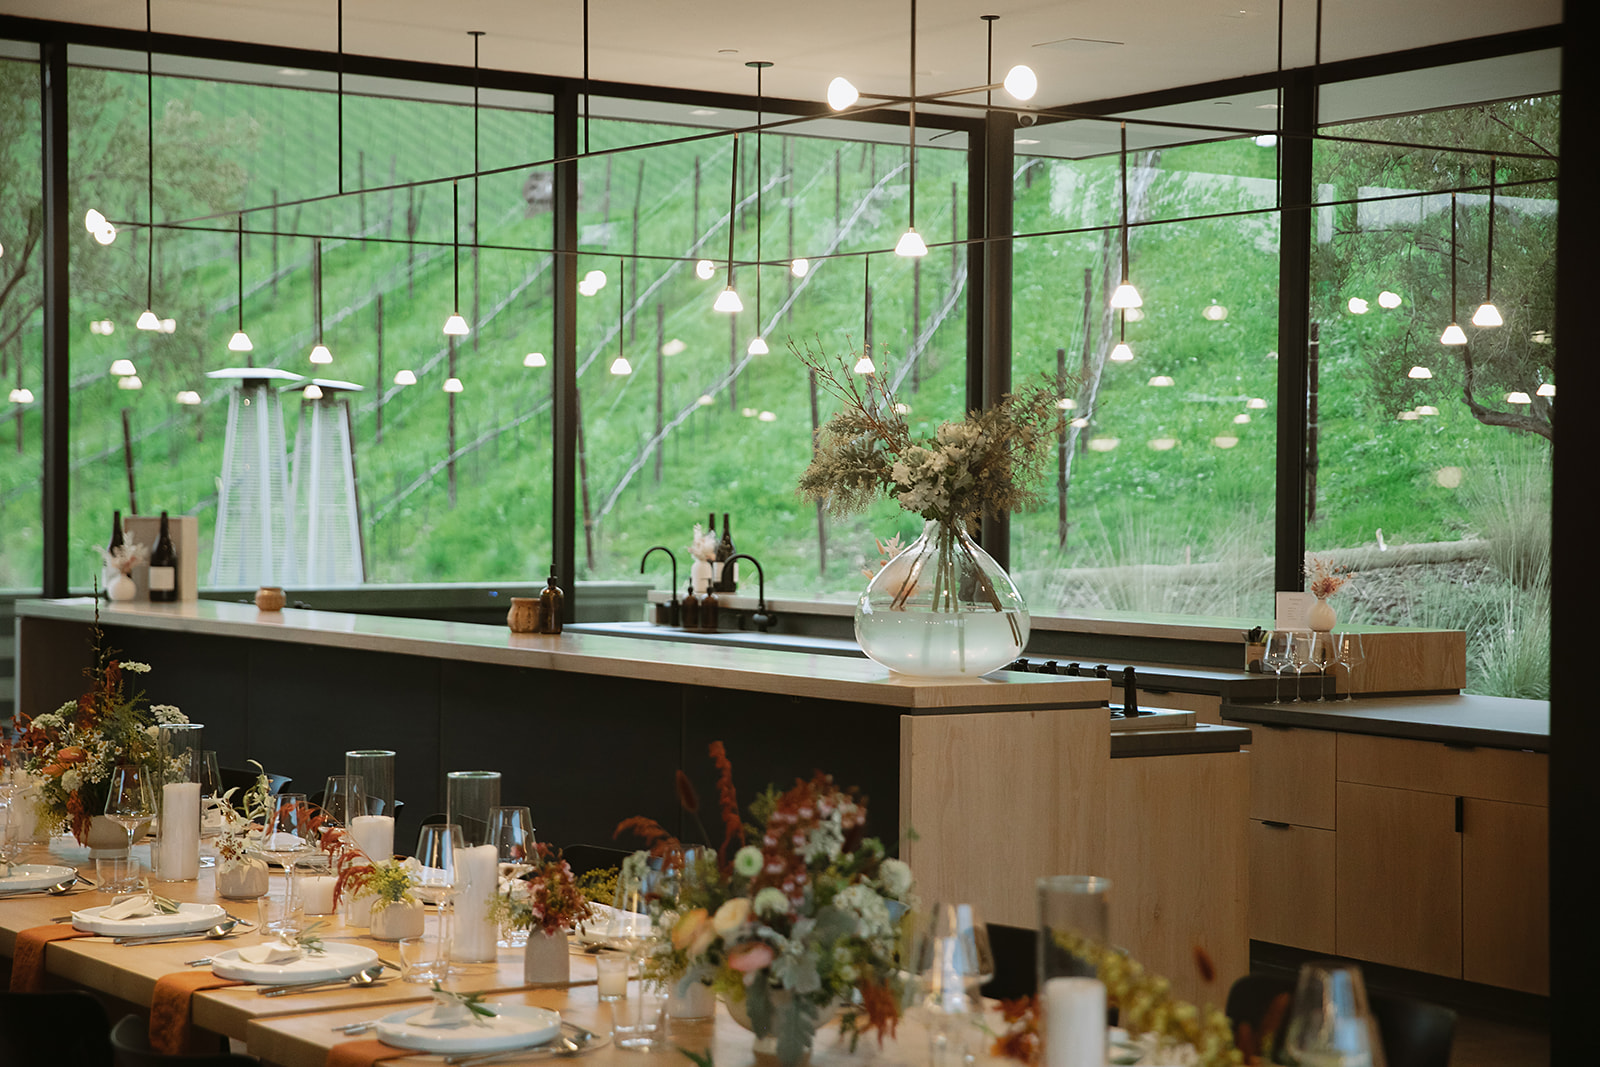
(550, 605)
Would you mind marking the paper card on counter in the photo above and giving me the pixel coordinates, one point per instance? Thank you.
(1294, 611)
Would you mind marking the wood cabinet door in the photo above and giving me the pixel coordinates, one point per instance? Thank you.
(1291, 885)
(1397, 872)
(1291, 774)
(1505, 887)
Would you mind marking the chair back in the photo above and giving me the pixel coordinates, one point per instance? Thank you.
(65, 1027)
(130, 1047)
(585, 858)
(1016, 965)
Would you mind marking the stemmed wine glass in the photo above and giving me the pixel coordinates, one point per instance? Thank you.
(1319, 654)
(1350, 654)
(14, 833)
(343, 798)
(285, 838)
(951, 959)
(629, 929)
(130, 802)
(511, 833)
(1302, 655)
(210, 779)
(437, 849)
(1330, 1024)
(1278, 655)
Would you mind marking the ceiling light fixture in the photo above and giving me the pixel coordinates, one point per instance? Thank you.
(187, 397)
(405, 377)
(1386, 299)
(533, 359)
(1548, 389)
(122, 368)
(864, 365)
(130, 382)
(1488, 316)
(453, 385)
(800, 267)
(1453, 334)
(319, 351)
(1241, 419)
(911, 243)
(728, 301)
(455, 325)
(758, 344)
(240, 341)
(1357, 306)
(841, 94)
(1419, 372)
(1126, 296)
(620, 366)
(148, 320)
(1162, 380)
(21, 395)
(1122, 353)
(312, 392)
(1021, 82)
(1517, 396)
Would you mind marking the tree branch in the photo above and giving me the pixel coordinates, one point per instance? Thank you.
(1491, 417)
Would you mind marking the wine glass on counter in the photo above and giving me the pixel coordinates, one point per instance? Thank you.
(1278, 657)
(1350, 654)
(286, 838)
(1301, 657)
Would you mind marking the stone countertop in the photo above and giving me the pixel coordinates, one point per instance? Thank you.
(1492, 722)
(766, 670)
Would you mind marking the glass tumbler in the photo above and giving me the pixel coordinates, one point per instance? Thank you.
(375, 766)
(468, 797)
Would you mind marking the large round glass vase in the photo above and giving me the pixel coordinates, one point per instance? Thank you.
(943, 608)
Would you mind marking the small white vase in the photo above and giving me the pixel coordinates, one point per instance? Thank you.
(545, 960)
(106, 838)
(397, 920)
(243, 879)
(119, 587)
(701, 575)
(696, 1002)
(1321, 617)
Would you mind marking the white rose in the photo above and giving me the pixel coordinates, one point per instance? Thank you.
(771, 903)
(897, 878)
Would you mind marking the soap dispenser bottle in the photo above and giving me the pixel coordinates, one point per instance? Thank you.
(550, 605)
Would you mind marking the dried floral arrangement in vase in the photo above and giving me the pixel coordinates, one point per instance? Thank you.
(547, 901)
(241, 873)
(942, 607)
(1326, 578)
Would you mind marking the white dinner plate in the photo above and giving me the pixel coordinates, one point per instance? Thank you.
(189, 919)
(516, 1026)
(25, 876)
(607, 923)
(336, 961)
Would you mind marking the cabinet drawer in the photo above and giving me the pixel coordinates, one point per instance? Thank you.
(1291, 775)
(1291, 885)
(1487, 773)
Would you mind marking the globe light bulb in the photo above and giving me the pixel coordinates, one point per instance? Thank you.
(1122, 353)
(621, 366)
(1453, 335)
(240, 342)
(705, 269)
(1387, 299)
(800, 267)
(728, 301)
(93, 220)
(1487, 316)
(106, 234)
(1126, 296)
(533, 359)
(758, 347)
(122, 368)
(148, 321)
(841, 94)
(1021, 82)
(456, 326)
(452, 385)
(1419, 372)
(313, 392)
(1357, 306)
(405, 377)
(320, 354)
(596, 280)
(911, 244)
(187, 397)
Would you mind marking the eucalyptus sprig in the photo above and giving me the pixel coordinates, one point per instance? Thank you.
(309, 940)
(473, 1002)
(163, 905)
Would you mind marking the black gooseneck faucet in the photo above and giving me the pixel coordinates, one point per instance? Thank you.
(672, 606)
(762, 618)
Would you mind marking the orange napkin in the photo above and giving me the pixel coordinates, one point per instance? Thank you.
(170, 1032)
(27, 962)
(362, 1053)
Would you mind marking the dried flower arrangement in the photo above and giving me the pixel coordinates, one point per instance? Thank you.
(1327, 578)
(547, 898)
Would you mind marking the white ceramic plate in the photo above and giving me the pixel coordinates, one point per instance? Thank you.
(337, 961)
(25, 876)
(516, 1026)
(608, 922)
(189, 919)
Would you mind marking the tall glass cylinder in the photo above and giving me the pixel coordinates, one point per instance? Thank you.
(180, 756)
(1074, 930)
(468, 797)
(376, 768)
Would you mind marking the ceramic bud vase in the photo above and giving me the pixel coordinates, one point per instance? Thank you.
(396, 920)
(943, 608)
(242, 879)
(1321, 617)
(545, 960)
(701, 575)
(523, 617)
(119, 587)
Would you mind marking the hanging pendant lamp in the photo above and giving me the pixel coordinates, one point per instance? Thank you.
(1453, 334)
(240, 341)
(319, 351)
(728, 301)
(455, 325)
(911, 243)
(864, 365)
(148, 320)
(620, 366)
(758, 344)
(1125, 296)
(1488, 316)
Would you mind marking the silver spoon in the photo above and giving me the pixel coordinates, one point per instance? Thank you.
(216, 933)
(60, 889)
(359, 980)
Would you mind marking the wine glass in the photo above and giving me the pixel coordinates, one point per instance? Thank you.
(438, 848)
(1350, 655)
(1330, 1024)
(210, 779)
(1278, 655)
(285, 838)
(1319, 653)
(343, 798)
(130, 798)
(629, 928)
(511, 833)
(1301, 655)
(951, 959)
(14, 833)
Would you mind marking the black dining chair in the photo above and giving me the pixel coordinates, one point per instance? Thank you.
(244, 779)
(1414, 1033)
(585, 858)
(1016, 966)
(130, 1047)
(65, 1027)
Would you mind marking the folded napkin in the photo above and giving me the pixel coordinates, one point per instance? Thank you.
(362, 1053)
(170, 1031)
(27, 958)
(448, 1012)
(134, 907)
(271, 952)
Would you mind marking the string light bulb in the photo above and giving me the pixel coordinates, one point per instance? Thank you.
(758, 347)
(704, 270)
(1453, 335)
(456, 326)
(728, 301)
(1386, 299)
(621, 367)
(800, 267)
(453, 385)
(841, 94)
(1548, 389)
(148, 321)
(911, 244)
(1122, 353)
(1487, 316)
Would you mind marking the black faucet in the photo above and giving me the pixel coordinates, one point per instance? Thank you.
(762, 617)
(672, 606)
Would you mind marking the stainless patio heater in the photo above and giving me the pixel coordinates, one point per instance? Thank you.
(251, 538)
(326, 511)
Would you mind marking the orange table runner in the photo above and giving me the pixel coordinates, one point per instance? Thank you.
(170, 1031)
(27, 960)
(362, 1053)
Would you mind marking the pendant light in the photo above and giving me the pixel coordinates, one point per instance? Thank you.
(1487, 315)
(728, 301)
(123, 368)
(240, 342)
(319, 351)
(405, 377)
(533, 359)
(455, 325)
(1126, 296)
(841, 94)
(148, 320)
(864, 365)
(1453, 334)
(620, 366)
(758, 344)
(911, 243)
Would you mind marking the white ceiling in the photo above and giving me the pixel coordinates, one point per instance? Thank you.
(704, 44)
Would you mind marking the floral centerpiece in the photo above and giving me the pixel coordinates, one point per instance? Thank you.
(547, 899)
(943, 606)
(790, 919)
(241, 819)
(71, 752)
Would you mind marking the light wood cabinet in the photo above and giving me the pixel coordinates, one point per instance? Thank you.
(1291, 775)
(1505, 887)
(1292, 885)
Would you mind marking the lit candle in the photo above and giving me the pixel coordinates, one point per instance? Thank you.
(374, 835)
(178, 851)
(1075, 1022)
(316, 893)
(477, 936)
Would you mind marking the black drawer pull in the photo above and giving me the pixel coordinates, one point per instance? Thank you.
(1461, 814)
(1275, 824)
(1459, 746)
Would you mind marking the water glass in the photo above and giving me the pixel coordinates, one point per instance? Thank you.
(375, 766)
(469, 796)
(611, 969)
(437, 847)
(422, 958)
(637, 1018)
(344, 798)
(1330, 1024)
(118, 874)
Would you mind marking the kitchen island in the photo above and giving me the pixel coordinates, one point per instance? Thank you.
(986, 783)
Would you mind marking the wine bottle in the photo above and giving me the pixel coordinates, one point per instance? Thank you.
(550, 605)
(163, 581)
(116, 532)
(728, 581)
(715, 560)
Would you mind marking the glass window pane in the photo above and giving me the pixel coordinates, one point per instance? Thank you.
(21, 319)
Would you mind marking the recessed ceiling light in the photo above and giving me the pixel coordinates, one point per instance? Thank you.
(702, 111)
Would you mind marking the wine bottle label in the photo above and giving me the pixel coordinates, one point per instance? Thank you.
(163, 579)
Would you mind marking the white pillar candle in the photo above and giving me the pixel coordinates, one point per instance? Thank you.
(374, 835)
(1075, 1022)
(476, 935)
(316, 892)
(178, 852)
(611, 971)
